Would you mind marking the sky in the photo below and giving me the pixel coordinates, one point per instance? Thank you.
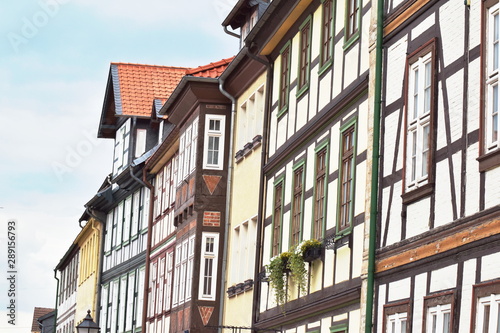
(54, 65)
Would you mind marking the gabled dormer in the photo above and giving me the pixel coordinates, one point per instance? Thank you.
(127, 116)
(244, 16)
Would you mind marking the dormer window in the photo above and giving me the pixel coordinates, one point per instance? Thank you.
(140, 142)
(248, 26)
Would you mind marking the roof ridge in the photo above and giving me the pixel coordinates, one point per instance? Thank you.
(149, 65)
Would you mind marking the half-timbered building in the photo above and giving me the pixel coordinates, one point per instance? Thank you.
(315, 164)
(124, 199)
(189, 206)
(438, 242)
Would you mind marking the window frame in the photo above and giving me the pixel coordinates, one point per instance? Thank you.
(439, 300)
(219, 165)
(304, 65)
(276, 247)
(327, 35)
(481, 291)
(351, 37)
(284, 78)
(214, 257)
(323, 147)
(350, 126)
(421, 186)
(397, 308)
(489, 150)
(297, 210)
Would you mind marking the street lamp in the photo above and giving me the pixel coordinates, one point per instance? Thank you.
(88, 325)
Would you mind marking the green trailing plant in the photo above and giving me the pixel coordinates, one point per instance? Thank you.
(309, 244)
(298, 270)
(277, 267)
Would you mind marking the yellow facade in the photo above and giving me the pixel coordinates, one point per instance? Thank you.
(244, 205)
(89, 242)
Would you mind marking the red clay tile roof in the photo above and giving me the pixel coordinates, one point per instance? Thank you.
(212, 70)
(37, 313)
(136, 86)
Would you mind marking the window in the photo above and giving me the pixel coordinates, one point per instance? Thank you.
(438, 316)
(208, 269)
(352, 21)
(277, 216)
(187, 150)
(492, 58)
(327, 34)
(486, 307)
(346, 178)
(419, 117)
(305, 54)
(140, 143)
(250, 116)
(168, 289)
(298, 195)
(320, 191)
(284, 79)
(121, 148)
(214, 142)
(396, 318)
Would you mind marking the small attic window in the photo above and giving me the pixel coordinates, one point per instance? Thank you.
(140, 145)
(249, 24)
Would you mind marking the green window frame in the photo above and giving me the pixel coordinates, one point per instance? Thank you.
(277, 230)
(321, 167)
(297, 216)
(304, 56)
(327, 35)
(284, 77)
(347, 177)
(352, 22)
(342, 328)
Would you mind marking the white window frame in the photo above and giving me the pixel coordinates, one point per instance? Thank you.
(168, 289)
(493, 315)
(120, 159)
(190, 263)
(214, 134)
(396, 322)
(418, 121)
(140, 141)
(140, 297)
(208, 256)
(439, 311)
(492, 49)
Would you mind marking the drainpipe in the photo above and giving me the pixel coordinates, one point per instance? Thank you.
(262, 185)
(97, 316)
(228, 199)
(57, 300)
(230, 33)
(375, 168)
(148, 248)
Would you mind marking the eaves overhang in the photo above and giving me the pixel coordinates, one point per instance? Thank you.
(67, 256)
(164, 152)
(276, 21)
(190, 92)
(242, 72)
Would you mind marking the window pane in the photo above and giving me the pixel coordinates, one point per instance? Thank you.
(446, 322)
(495, 42)
(414, 156)
(498, 318)
(415, 94)
(214, 125)
(425, 150)
(403, 326)
(494, 120)
(427, 91)
(434, 323)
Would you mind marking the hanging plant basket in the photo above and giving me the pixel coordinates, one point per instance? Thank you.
(312, 254)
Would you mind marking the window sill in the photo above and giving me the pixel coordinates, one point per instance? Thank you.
(349, 42)
(489, 161)
(326, 66)
(417, 193)
(282, 111)
(302, 91)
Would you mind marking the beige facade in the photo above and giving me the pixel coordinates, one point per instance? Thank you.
(242, 230)
(89, 242)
